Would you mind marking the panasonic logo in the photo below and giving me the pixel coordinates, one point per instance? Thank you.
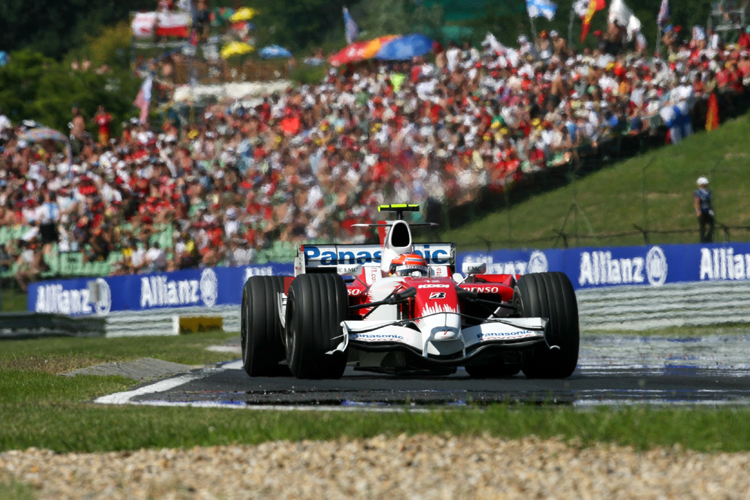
(329, 257)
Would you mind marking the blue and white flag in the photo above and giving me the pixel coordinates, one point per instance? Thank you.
(538, 8)
(663, 16)
(350, 26)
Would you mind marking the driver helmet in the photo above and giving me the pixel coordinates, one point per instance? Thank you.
(410, 264)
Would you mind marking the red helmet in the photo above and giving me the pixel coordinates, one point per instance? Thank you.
(410, 264)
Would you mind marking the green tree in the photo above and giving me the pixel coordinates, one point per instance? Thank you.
(399, 17)
(53, 27)
(19, 83)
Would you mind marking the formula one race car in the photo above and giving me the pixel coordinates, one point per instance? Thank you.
(400, 307)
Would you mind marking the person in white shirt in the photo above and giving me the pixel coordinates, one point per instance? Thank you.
(156, 259)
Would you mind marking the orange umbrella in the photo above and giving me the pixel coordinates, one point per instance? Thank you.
(373, 46)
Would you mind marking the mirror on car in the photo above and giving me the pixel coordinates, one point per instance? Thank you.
(407, 294)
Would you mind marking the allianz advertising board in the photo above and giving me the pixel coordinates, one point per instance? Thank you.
(200, 287)
(650, 265)
(653, 266)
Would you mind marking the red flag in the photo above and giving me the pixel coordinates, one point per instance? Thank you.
(712, 118)
(594, 5)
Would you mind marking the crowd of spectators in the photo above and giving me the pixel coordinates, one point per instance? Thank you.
(308, 163)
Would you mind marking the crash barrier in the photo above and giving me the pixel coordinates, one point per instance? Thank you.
(638, 308)
(19, 325)
(662, 284)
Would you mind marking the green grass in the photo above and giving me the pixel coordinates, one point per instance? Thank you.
(61, 354)
(680, 331)
(41, 409)
(12, 300)
(612, 199)
(10, 489)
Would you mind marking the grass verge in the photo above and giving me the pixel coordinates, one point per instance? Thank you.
(40, 409)
(11, 489)
(679, 331)
(12, 300)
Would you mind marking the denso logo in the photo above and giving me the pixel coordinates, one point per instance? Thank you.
(485, 289)
(434, 285)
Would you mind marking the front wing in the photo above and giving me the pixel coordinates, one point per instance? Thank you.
(494, 333)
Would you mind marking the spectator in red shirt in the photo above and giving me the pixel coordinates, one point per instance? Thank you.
(103, 120)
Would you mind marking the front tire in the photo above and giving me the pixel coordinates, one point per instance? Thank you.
(261, 331)
(316, 306)
(551, 296)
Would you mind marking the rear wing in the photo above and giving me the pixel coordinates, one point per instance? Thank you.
(326, 258)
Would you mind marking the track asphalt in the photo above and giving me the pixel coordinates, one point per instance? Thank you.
(612, 370)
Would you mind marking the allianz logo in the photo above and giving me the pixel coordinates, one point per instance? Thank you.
(599, 268)
(723, 264)
(54, 299)
(161, 291)
(537, 263)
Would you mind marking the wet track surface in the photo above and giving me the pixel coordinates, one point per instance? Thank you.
(612, 370)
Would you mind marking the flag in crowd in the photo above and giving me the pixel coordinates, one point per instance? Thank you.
(539, 8)
(352, 30)
(620, 14)
(580, 7)
(712, 117)
(143, 99)
(593, 6)
(663, 16)
(491, 42)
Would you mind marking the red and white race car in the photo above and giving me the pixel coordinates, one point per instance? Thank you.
(400, 307)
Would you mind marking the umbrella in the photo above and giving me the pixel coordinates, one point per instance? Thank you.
(243, 14)
(351, 53)
(405, 48)
(235, 48)
(43, 134)
(274, 51)
(374, 46)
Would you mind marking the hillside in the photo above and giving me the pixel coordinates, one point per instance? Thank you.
(612, 199)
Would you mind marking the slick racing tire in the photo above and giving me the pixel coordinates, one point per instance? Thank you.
(551, 296)
(498, 369)
(316, 306)
(261, 331)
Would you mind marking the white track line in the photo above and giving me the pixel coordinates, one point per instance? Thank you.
(121, 398)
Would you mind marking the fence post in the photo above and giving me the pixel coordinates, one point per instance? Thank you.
(510, 218)
(712, 178)
(645, 204)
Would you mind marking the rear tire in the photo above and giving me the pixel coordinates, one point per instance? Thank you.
(551, 296)
(316, 306)
(261, 331)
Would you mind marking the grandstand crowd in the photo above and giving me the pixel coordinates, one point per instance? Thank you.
(308, 163)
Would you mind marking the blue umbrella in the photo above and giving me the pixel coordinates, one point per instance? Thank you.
(404, 48)
(274, 51)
